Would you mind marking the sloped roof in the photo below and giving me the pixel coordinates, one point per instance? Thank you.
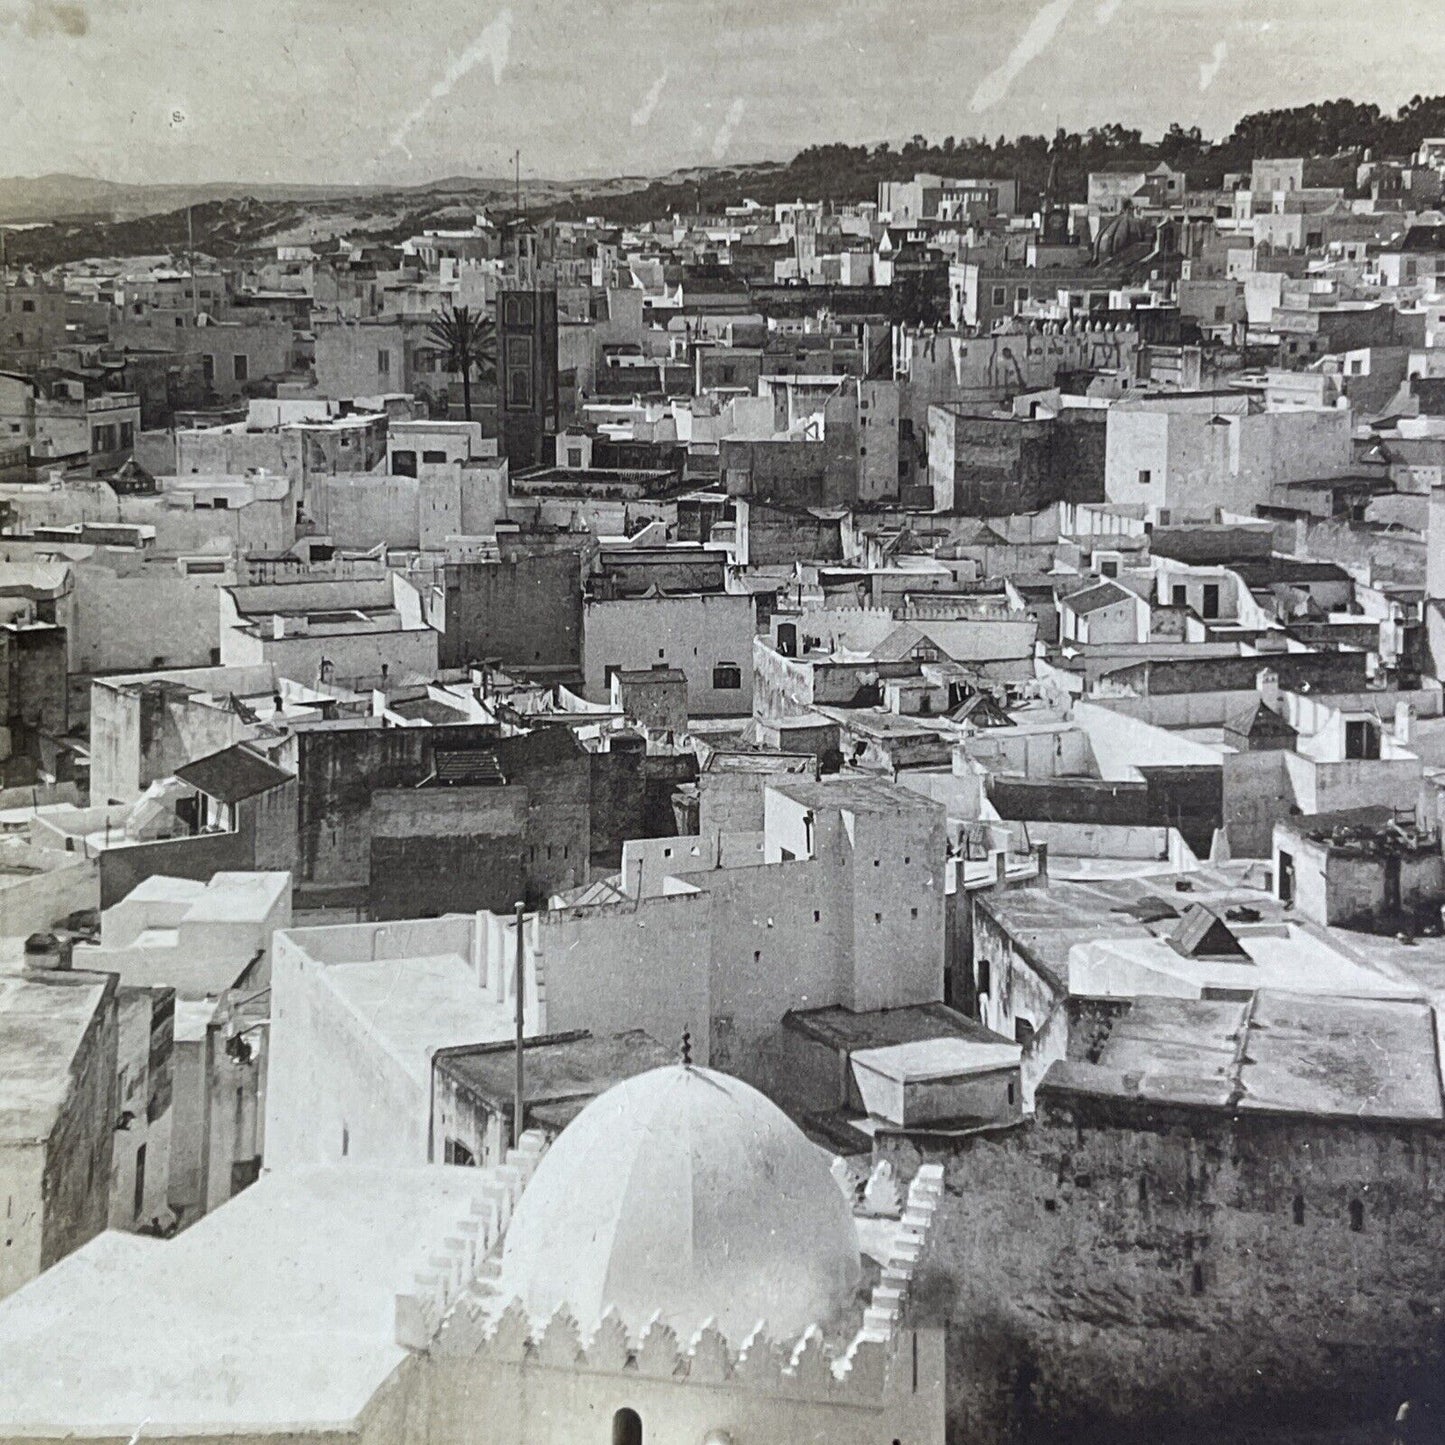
(233, 774)
(1095, 599)
(900, 643)
(982, 711)
(1258, 721)
(1202, 933)
(467, 767)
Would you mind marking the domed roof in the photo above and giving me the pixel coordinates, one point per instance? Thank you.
(1119, 233)
(687, 1193)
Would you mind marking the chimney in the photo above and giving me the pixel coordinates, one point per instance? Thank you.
(1404, 722)
(45, 953)
(1267, 682)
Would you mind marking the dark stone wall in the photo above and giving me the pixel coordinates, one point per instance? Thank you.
(342, 769)
(1003, 466)
(200, 858)
(1115, 1271)
(776, 535)
(451, 850)
(76, 1189)
(632, 798)
(527, 612)
(1190, 799)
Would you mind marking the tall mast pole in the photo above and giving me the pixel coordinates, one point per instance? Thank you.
(191, 263)
(517, 1081)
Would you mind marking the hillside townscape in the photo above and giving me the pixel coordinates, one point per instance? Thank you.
(788, 800)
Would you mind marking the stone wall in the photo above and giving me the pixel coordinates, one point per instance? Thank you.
(1115, 1269)
(527, 612)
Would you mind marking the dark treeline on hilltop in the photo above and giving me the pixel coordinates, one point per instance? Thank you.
(847, 173)
(1341, 130)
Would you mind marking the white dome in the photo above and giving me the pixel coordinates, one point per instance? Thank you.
(687, 1193)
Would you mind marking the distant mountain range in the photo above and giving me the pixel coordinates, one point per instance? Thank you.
(62, 218)
(25, 200)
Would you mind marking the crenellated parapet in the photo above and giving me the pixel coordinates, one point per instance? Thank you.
(463, 1258)
(476, 1322)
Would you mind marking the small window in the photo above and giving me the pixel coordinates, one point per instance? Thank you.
(403, 464)
(877, 918)
(433, 459)
(345, 1141)
(1357, 1216)
(1298, 1209)
(383, 362)
(241, 366)
(1000, 295)
(208, 368)
(574, 458)
(727, 677)
(913, 913)
(817, 916)
(27, 306)
(1196, 1279)
(1145, 476)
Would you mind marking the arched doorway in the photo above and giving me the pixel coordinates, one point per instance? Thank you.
(627, 1427)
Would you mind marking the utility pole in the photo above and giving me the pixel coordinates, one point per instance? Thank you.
(191, 264)
(517, 1082)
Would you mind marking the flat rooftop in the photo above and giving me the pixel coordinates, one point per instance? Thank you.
(42, 1026)
(1282, 1053)
(843, 1029)
(227, 897)
(1049, 920)
(414, 1007)
(562, 1074)
(274, 1313)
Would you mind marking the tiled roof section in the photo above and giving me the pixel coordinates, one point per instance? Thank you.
(471, 768)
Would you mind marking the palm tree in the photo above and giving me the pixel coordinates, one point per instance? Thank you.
(469, 340)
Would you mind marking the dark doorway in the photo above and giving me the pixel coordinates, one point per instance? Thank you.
(627, 1428)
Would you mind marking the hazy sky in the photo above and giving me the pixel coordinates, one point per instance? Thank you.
(364, 90)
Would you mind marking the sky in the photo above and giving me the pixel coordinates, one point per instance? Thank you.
(366, 91)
